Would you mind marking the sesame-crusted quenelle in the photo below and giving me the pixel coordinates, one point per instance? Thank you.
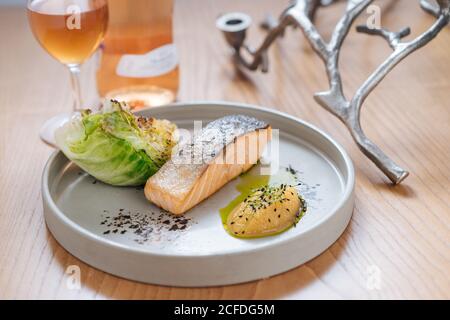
(266, 211)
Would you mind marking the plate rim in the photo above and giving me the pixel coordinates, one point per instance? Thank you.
(349, 186)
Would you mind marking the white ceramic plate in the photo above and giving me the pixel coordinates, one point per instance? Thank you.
(146, 247)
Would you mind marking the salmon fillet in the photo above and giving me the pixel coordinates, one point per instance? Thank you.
(224, 149)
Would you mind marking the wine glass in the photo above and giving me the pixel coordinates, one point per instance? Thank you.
(70, 31)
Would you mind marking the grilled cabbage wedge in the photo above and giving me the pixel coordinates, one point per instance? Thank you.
(115, 146)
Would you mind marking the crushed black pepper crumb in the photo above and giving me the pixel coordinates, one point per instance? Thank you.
(143, 225)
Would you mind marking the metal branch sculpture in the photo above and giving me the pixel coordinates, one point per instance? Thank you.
(301, 14)
(430, 7)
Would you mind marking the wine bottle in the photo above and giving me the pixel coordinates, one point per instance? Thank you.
(139, 62)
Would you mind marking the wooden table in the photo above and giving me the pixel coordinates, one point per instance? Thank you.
(398, 242)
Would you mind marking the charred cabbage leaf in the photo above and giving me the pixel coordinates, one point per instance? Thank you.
(115, 146)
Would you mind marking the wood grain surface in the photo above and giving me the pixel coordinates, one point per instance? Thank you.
(398, 242)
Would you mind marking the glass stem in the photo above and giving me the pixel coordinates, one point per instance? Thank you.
(76, 89)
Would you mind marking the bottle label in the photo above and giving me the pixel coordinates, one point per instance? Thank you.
(151, 64)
